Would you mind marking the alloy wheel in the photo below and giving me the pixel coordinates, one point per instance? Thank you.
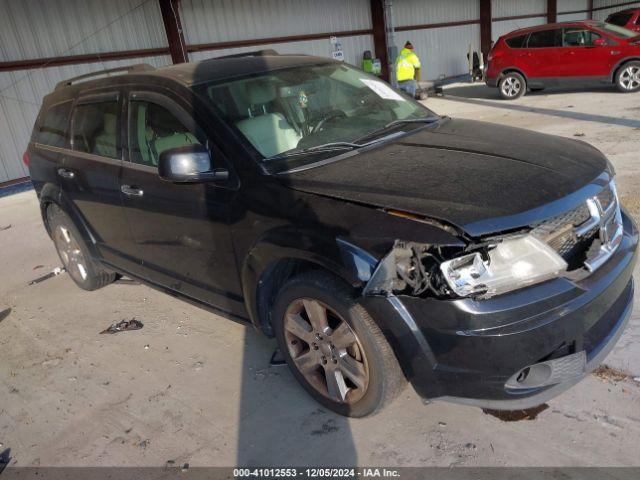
(511, 86)
(630, 78)
(70, 253)
(326, 351)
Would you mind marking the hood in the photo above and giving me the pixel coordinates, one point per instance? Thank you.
(481, 177)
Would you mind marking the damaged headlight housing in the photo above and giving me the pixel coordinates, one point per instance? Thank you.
(512, 264)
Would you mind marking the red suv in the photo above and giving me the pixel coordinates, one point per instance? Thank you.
(568, 53)
(629, 19)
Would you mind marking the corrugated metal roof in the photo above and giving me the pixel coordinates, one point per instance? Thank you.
(207, 21)
(511, 8)
(48, 28)
(572, 5)
(419, 12)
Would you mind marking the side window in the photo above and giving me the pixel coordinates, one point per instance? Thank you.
(579, 37)
(545, 39)
(638, 20)
(154, 129)
(54, 129)
(516, 42)
(96, 129)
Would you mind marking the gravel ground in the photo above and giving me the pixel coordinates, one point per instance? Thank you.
(193, 387)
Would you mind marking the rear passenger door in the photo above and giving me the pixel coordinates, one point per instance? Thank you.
(543, 48)
(90, 174)
(181, 230)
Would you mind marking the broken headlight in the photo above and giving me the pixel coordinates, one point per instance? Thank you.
(511, 264)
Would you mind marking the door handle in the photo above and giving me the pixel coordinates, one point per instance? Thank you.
(131, 191)
(64, 173)
(615, 52)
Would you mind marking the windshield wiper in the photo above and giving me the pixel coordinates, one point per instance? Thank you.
(411, 120)
(327, 147)
(425, 120)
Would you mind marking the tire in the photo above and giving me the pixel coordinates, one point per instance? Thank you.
(512, 86)
(366, 375)
(76, 257)
(628, 77)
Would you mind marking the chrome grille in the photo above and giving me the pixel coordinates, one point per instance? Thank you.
(599, 218)
(559, 231)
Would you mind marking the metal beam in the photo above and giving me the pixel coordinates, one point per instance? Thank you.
(173, 28)
(485, 26)
(552, 11)
(380, 36)
(78, 59)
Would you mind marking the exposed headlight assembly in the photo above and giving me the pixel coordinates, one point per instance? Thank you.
(512, 264)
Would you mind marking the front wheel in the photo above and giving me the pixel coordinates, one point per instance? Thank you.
(628, 77)
(333, 347)
(512, 86)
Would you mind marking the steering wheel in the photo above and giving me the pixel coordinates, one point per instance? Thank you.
(329, 116)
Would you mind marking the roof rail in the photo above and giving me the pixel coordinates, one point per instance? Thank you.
(140, 67)
(255, 53)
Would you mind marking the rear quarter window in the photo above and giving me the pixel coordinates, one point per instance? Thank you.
(54, 128)
(516, 42)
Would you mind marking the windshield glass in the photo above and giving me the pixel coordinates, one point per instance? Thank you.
(617, 31)
(283, 113)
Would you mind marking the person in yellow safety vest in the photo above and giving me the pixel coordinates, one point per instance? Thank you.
(408, 70)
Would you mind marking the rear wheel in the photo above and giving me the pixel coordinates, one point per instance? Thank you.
(76, 258)
(512, 86)
(334, 348)
(628, 77)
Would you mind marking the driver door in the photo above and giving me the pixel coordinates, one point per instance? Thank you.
(181, 231)
(583, 57)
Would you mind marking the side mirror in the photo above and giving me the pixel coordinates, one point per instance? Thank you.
(189, 164)
(600, 42)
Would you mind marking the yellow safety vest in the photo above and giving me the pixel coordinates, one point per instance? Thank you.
(406, 63)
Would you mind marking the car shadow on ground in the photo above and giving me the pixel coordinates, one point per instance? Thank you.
(489, 97)
(280, 424)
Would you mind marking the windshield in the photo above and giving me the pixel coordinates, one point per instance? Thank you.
(617, 31)
(294, 115)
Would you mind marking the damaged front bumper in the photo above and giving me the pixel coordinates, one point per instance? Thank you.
(516, 350)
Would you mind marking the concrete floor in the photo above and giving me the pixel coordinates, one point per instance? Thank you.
(194, 387)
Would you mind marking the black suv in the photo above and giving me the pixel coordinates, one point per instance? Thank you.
(377, 241)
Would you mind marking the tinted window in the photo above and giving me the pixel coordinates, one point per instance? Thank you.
(545, 38)
(620, 19)
(579, 37)
(54, 129)
(154, 129)
(96, 129)
(638, 20)
(516, 42)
